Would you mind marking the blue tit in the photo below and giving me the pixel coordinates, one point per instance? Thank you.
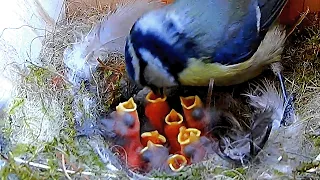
(191, 42)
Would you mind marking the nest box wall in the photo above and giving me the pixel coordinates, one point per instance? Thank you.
(294, 8)
(24, 24)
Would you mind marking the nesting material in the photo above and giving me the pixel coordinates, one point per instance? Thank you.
(286, 149)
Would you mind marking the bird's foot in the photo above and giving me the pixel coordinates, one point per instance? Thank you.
(289, 111)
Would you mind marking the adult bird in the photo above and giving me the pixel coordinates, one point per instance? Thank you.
(192, 42)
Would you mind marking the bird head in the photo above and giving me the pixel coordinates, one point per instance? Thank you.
(155, 50)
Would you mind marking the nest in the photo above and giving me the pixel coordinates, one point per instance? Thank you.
(42, 121)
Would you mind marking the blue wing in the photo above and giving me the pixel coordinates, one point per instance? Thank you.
(244, 37)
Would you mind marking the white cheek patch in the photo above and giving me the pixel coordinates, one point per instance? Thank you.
(176, 19)
(152, 76)
(155, 73)
(135, 61)
(151, 22)
(154, 23)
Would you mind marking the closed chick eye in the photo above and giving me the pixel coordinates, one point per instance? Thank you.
(128, 120)
(170, 25)
(146, 156)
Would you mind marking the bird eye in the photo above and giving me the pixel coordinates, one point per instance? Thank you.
(146, 156)
(128, 120)
(170, 25)
(198, 113)
(189, 151)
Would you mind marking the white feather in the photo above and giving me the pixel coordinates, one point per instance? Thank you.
(135, 61)
(258, 15)
(108, 35)
(154, 23)
(160, 76)
(5, 94)
(268, 96)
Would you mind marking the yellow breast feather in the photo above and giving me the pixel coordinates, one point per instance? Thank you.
(199, 73)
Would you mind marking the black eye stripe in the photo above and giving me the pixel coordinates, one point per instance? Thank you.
(143, 66)
(162, 52)
(173, 58)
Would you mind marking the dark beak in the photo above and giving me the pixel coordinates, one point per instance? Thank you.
(157, 91)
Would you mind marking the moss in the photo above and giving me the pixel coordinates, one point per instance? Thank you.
(20, 171)
(218, 170)
(304, 167)
(190, 172)
(316, 141)
(18, 102)
(197, 173)
(202, 172)
(24, 171)
(38, 75)
(278, 173)
(20, 149)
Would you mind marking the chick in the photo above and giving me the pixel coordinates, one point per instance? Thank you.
(121, 129)
(155, 156)
(198, 150)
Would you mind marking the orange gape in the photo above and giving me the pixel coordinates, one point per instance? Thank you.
(173, 122)
(132, 151)
(294, 8)
(156, 109)
(189, 104)
(152, 136)
(130, 130)
(168, 1)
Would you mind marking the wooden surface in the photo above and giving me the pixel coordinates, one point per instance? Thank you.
(294, 8)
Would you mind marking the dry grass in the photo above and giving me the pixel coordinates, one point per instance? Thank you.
(45, 112)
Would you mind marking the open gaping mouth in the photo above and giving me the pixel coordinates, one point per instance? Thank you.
(180, 137)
